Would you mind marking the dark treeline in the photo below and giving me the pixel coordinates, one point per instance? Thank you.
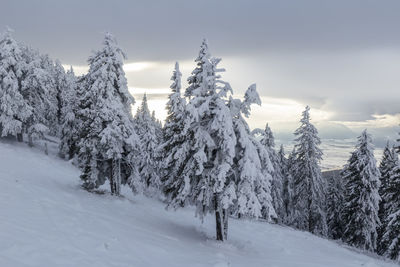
(204, 155)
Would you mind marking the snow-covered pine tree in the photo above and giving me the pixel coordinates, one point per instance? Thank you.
(69, 128)
(252, 169)
(390, 241)
(361, 197)
(60, 85)
(291, 167)
(386, 167)
(157, 126)
(391, 235)
(175, 148)
(107, 136)
(212, 141)
(38, 92)
(334, 207)
(149, 167)
(14, 110)
(397, 146)
(268, 140)
(287, 193)
(309, 188)
(52, 103)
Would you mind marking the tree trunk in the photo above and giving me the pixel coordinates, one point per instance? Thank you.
(30, 140)
(20, 137)
(218, 220)
(71, 152)
(310, 217)
(112, 184)
(225, 218)
(115, 177)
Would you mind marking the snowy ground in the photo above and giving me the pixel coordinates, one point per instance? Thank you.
(47, 220)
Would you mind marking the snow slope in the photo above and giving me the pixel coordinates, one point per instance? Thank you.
(47, 220)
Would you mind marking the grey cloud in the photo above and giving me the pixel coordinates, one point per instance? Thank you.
(169, 30)
(341, 56)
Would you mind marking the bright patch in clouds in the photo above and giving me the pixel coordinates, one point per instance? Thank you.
(282, 113)
(151, 91)
(138, 66)
(379, 121)
(128, 67)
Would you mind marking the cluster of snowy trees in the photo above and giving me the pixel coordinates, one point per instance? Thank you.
(32, 88)
(364, 200)
(205, 154)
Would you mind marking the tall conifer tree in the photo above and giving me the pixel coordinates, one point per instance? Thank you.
(175, 148)
(148, 164)
(309, 188)
(107, 135)
(386, 167)
(361, 197)
(252, 168)
(14, 110)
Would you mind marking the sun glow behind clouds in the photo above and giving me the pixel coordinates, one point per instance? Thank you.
(282, 113)
(151, 91)
(138, 66)
(128, 67)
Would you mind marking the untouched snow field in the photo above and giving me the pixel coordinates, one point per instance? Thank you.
(46, 219)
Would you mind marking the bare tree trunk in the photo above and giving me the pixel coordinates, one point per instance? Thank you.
(112, 184)
(71, 152)
(225, 219)
(310, 218)
(115, 177)
(20, 137)
(30, 140)
(218, 220)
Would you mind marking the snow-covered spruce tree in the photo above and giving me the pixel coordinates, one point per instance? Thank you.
(69, 126)
(39, 93)
(107, 135)
(361, 197)
(252, 169)
(14, 110)
(53, 103)
(334, 207)
(391, 235)
(61, 84)
(291, 167)
(268, 140)
(390, 240)
(175, 148)
(309, 188)
(386, 168)
(287, 193)
(157, 126)
(212, 141)
(149, 168)
(397, 147)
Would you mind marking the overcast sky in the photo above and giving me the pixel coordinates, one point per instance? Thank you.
(340, 57)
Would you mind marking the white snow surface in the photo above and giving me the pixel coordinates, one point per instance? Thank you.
(46, 219)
